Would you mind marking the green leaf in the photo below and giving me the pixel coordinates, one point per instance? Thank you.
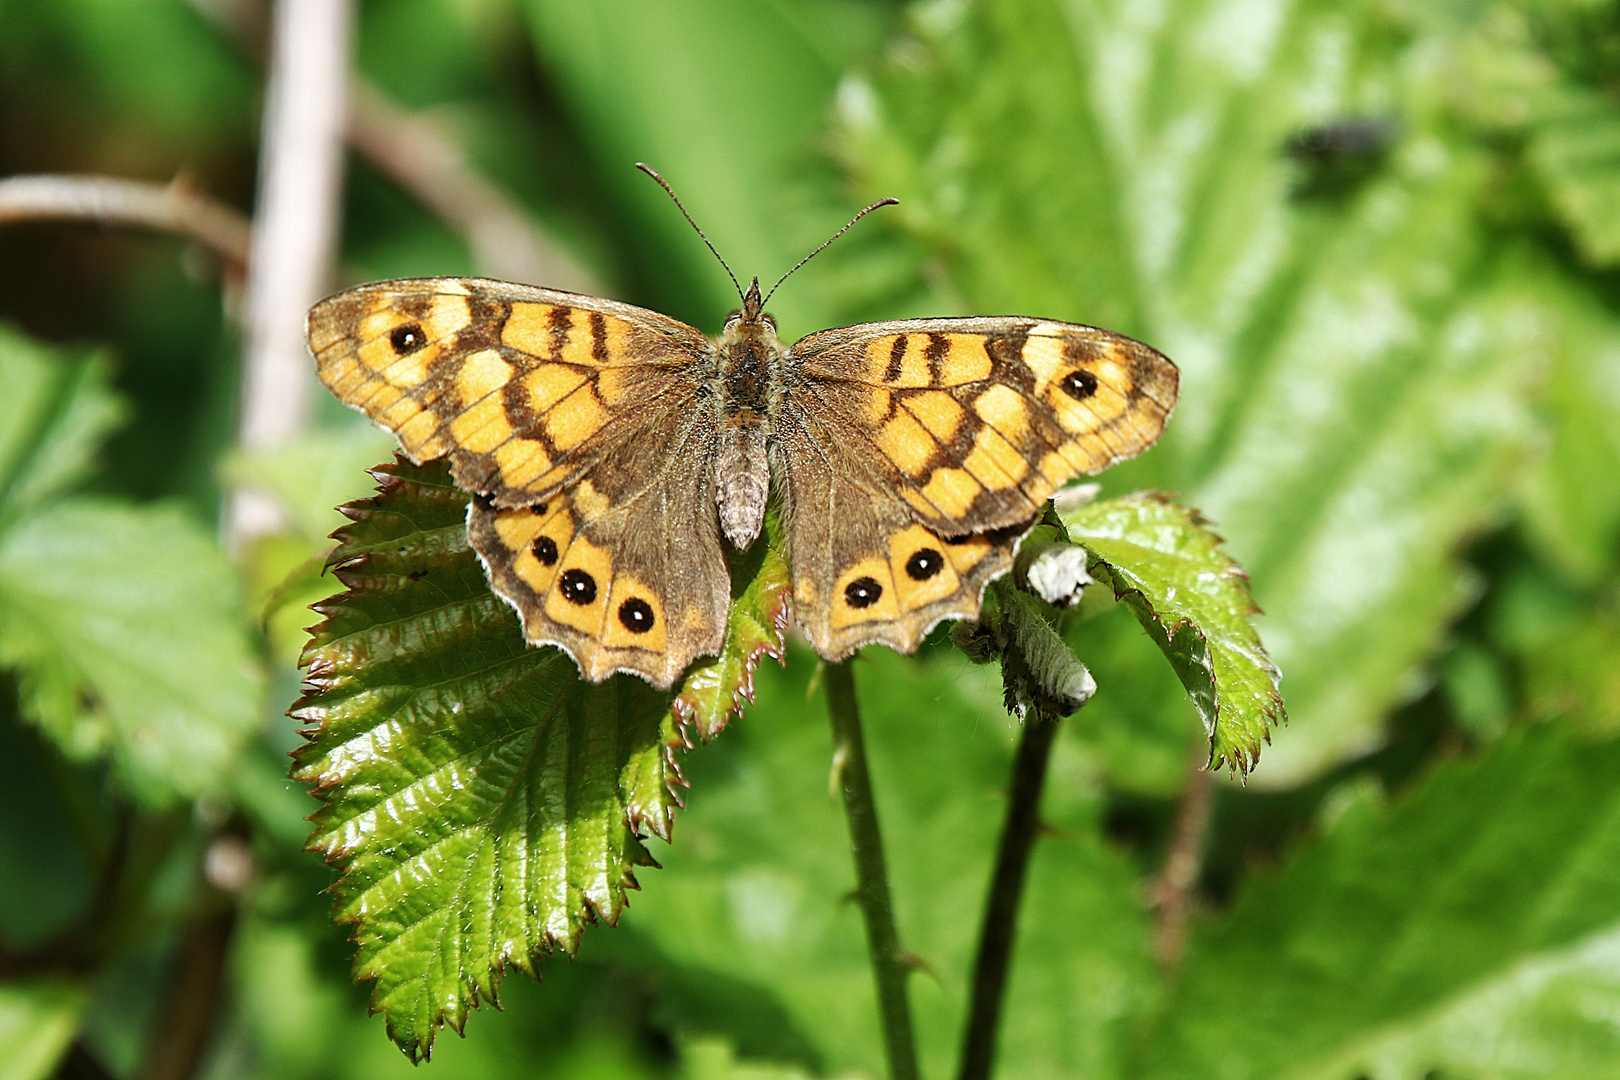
(1469, 929)
(1165, 564)
(1357, 375)
(484, 802)
(127, 627)
(752, 75)
(754, 900)
(1572, 507)
(38, 1019)
(715, 688)
(1575, 150)
(53, 416)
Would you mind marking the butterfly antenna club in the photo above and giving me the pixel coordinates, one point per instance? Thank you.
(650, 171)
(886, 201)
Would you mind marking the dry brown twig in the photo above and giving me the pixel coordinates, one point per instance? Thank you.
(418, 153)
(300, 181)
(1172, 892)
(176, 207)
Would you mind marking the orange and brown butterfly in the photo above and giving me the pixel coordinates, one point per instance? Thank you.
(614, 452)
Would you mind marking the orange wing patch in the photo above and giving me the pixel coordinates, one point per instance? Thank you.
(513, 389)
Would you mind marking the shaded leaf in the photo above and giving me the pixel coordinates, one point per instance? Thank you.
(53, 416)
(127, 627)
(1166, 565)
(1575, 150)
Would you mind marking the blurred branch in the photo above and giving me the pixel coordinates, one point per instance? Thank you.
(176, 207)
(1172, 893)
(300, 180)
(418, 154)
(185, 1021)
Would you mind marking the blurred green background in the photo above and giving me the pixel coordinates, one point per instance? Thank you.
(1380, 237)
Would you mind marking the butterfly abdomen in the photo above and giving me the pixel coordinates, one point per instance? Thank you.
(749, 370)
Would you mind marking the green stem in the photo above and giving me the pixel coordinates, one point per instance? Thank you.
(889, 967)
(1006, 890)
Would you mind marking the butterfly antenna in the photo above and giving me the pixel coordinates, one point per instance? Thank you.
(881, 202)
(650, 171)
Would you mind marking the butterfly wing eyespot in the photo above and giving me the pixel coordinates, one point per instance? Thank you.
(920, 451)
(572, 420)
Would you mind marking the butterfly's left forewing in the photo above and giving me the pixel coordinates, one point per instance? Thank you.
(917, 451)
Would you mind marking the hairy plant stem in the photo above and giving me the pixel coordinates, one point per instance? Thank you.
(889, 967)
(1000, 926)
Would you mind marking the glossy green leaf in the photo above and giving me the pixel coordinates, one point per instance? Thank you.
(1166, 565)
(484, 802)
(1469, 930)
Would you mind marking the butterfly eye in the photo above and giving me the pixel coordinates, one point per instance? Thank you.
(733, 319)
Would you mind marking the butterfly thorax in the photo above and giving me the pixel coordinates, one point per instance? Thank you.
(748, 393)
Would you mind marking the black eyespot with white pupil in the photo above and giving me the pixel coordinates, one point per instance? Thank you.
(578, 587)
(1079, 384)
(862, 592)
(545, 549)
(407, 339)
(636, 615)
(924, 564)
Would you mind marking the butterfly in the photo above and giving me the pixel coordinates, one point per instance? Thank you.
(614, 453)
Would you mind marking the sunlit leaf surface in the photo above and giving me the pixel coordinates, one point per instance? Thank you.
(1355, 387)
(1166, 565)
(485, 803)
(1467, 930)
